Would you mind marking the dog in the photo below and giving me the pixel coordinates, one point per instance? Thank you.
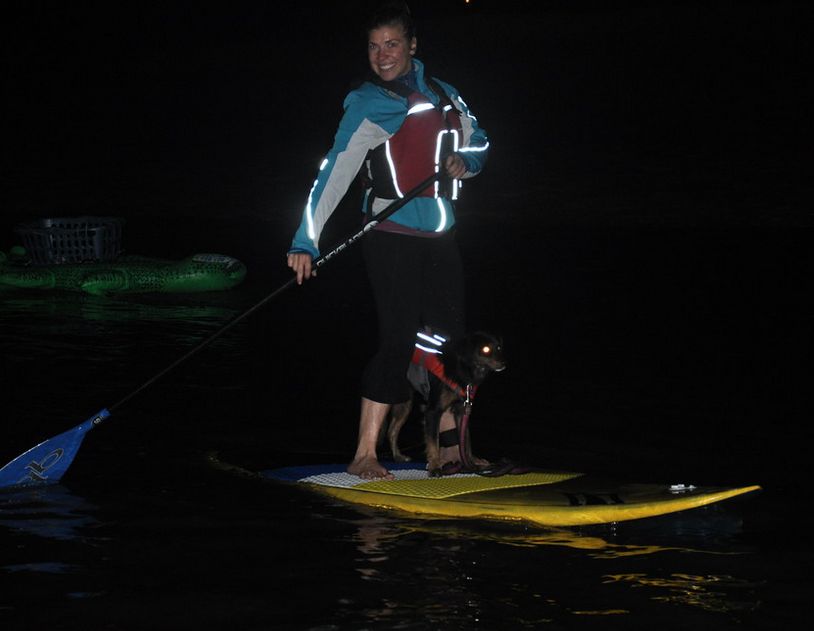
(446, 375)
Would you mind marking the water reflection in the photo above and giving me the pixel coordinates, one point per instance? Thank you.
(437, 588)
(62, 307)
(451, 572)
(45, 568)
(377, 534)
(51, 334)
(708, 592)
(52, 512)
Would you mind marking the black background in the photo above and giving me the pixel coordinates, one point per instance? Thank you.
(640, 236)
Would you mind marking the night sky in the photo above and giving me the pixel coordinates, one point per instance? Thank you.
(110, 108)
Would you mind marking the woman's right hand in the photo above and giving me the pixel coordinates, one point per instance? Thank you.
(300, 262)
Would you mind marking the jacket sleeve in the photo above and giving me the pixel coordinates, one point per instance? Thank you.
(356, 135)
(475, 145)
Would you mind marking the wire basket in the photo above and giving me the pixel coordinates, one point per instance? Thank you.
(53, 241)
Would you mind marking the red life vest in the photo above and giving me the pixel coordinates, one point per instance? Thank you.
(428, 134)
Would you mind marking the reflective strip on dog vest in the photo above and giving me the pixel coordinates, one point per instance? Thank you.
(427, 354)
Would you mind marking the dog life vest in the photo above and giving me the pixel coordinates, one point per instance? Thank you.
(427, 357)
(427, 136)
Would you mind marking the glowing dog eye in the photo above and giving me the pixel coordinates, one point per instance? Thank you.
(486, 350)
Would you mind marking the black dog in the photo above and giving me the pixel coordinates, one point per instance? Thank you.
(446, 375)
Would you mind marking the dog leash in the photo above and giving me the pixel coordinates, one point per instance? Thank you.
(493, 470)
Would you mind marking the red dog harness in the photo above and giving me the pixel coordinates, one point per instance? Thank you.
(433, 364)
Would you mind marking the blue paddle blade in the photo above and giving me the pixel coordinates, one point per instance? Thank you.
(47, 462)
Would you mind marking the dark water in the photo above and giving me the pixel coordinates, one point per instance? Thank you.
(611, 372)
(641, 239)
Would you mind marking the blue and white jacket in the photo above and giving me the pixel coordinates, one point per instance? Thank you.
(372, 115)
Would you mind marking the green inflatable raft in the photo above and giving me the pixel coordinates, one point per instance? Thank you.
(125, 274)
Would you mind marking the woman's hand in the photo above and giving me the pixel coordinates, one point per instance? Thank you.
(300, 262)
(455, 166)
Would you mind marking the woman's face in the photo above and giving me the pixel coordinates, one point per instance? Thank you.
(389, 53)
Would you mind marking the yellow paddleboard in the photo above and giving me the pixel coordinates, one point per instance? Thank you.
(548, 498)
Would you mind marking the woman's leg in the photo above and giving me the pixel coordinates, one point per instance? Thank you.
(394, 273)
(365, 463)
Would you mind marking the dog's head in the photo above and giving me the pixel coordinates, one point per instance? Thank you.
(473, 357)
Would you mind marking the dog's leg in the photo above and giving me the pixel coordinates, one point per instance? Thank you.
(441, 418)
(432, 419)
(399, 414)
(449, 426)
(468, 456)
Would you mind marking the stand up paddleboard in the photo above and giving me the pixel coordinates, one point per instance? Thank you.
(547, 498)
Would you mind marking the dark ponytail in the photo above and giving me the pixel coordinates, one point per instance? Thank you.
(390, 14)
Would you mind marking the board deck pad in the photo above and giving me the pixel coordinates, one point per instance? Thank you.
(552, 498)
(414, 481)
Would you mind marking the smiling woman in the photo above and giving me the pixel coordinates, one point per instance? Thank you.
(400, 127)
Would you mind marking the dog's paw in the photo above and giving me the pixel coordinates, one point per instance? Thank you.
(400, 457)
(448, 468)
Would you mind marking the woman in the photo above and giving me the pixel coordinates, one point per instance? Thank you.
(398, 126)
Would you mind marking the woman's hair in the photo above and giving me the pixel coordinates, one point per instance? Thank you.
(390, 14)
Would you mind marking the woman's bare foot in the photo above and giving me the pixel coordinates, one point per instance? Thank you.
(369, 468)
(365, 464)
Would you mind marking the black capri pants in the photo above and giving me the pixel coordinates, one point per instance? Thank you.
(417, 282)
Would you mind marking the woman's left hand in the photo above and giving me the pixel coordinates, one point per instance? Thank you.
(455, 166)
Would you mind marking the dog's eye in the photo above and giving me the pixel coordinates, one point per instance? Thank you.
(486, 350)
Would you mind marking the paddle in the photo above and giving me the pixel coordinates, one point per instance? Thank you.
(47, 462)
